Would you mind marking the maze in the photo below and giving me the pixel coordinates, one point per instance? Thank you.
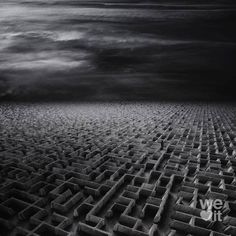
(116, 169)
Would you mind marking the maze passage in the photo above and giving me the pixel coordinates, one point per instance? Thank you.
(117, 169)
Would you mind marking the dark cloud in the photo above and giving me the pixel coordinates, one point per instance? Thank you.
(115, 50)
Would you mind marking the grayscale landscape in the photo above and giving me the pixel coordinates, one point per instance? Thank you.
(117, 118)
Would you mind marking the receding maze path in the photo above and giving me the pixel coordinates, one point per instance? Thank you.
(116, 169)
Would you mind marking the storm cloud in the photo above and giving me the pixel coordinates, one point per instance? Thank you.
(110, 50)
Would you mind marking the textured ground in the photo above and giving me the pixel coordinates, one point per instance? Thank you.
(99, 169)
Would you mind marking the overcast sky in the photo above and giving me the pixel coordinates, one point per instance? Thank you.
(67, 49)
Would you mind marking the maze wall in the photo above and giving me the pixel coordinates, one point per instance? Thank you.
(116, 169)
